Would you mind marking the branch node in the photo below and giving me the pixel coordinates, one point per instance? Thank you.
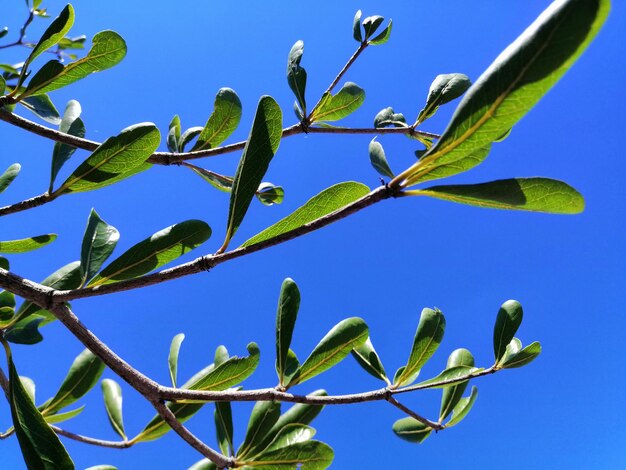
(205, 263)
(50, 299)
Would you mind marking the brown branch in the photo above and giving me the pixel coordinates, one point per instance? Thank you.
(92, 441)
(414, 415)
(27, 204)
(207, 262)
(345, 68)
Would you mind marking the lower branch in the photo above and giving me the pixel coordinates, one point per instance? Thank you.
(27, 204)
(414, 415)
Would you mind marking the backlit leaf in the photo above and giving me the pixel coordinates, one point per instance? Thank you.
(411, 430)
(453, 394)
(443, 89)
(523, 357)
(112, 394)
(366, 356)
(338, 106)
(172, 359)
(9, 175)
(71, 124)
(378, 159)
(26, 244)
(508, 321)
(384, 36)
(173, 134)
(288, 305)
(264, 415)
(99, 241)
(224, 425)
(308, 455)
(222, 122)
(462, 408)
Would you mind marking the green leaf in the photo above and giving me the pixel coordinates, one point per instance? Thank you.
(356, 27)
(102, 467)
(383, 37)
(288, 305)
(221, 355)
(107, 50)
(76, 43)
(117, 158)
(82, 376)
(112, 394)
(29, 386)
(454, 374)
(155, 251)
(188, 136)
(264, 415)
(387, 117)
(308, 455)
(259, 150)
(428, 336)
(462, 408)
(173, 134)
(443, 89)
(4, 31)
(292, 364)
(26, 244)
(221, 182)
(172, 359)
(411, 430)
(224, 425)
(296, 75)
(269, 194)
(371, 24)
(41, 448)
(99, 242)
(326, 202)
(527, 194)
(378, 159)
(8, 176)
(338, 106)
(366, 356)
(508, 321)
(512, 348)
(290, 435)
(204, 464)
(230, 373)
(523, 357)
(222, 122)
(452, 395)
(71, 124)
(332, 349)
(65, 416)
(51, 36)
(7, 299)
(25, 331)
(517, 80)
(459, 166)
(42, 106)
(4, 263)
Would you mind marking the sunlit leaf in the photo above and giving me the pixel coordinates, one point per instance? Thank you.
(173, 134)
(462, 408)
(172, 359)
(288, 305)
(264, 415)
(383, 37)
(326, 202)
(117, 158)
(296, 75)
(71, 124)
(112, 394)
(452, 395)
(338, 106)
(269, 194)
(222, 122)
(99, 241)
(356, 27)
(443, 89)
(523, 357)
(378, 159)
(224, 426)
(366, 356)
(411, 430)
(508, 321)
(332, 349)
(308, 455)
(387, 117)
(290, 435)
(155, 251)
(26, 244)
(9, 175)
(428, 336)
(65, 416)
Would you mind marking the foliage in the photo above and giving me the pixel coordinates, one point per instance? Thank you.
(274, 438)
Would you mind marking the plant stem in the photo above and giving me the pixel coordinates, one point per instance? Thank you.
(27, 204)
(414, 415)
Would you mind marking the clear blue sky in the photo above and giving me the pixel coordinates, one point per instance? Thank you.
(384, 264)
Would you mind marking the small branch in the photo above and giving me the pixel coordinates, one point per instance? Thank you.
(210, 261)
(345, 68)
(218, 459)
(91, 440)
(414, 415)
(27, 204)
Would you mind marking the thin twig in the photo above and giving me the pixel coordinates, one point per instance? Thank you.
(27, 204)
(210, 261)
(91, 440)
(345, 68)
(414, 415)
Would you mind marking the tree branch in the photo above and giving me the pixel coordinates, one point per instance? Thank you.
(27, 204)
(414, 415)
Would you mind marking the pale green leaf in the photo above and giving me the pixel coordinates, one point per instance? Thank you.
(222, 122)
(338, 106)
(112, 394)
(26, 244)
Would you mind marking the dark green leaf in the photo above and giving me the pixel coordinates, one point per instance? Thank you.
(517, 80)
(292, 364)
(4, 31)
(296, 75)
(523, 357)
(263, 417)
(378, 159)
(371, 24)
(116, 159)
(112, 394)
(356, 27)
(462, 408)
(173, 134)
(155, 251)
(4, 263)
(102, 467)
(41, 448)
(51, 36)
(259, 150)
(527, 194)
(222, 122)
(308, 455)
(290, 435)
(411, 430)
(332, 349)
(7, 299)
(61, 417)
(269, 194)
(508, 321)
(188, 136)
(25, 331)
(452, 395)
(204, 464)
(26, 244)
(386, 117)
(42, 106)
(512, 348)
(367, 358)
(71, 124)
(224, 426)
(443, 89)
(288, 305)
(99, 242)
(428, 336)
(172, 359)
(329, 200)
(82, 376)
(108, 49)
(8, 176)
(338, 106)
(383, 37)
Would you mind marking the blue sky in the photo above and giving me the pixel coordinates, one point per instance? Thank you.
(384, 264)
